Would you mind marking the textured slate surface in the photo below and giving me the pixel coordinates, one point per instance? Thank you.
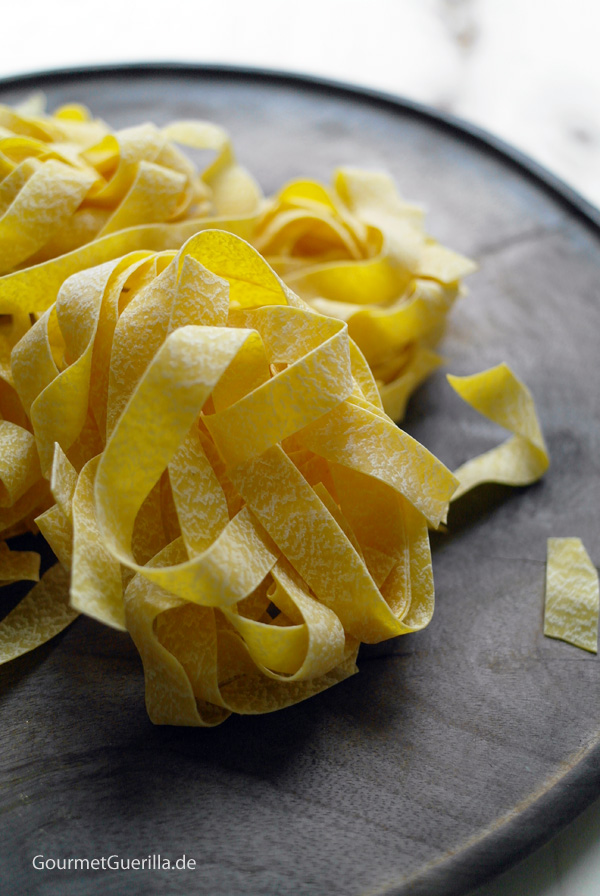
(455, 751)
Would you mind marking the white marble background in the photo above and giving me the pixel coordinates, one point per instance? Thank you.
(526, 70)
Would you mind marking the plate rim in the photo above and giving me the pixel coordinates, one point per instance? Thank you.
(461, 127)
(540, 816)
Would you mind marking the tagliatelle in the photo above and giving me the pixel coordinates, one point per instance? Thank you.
(572, 594)
(74, 194)
(203, 437)
(357, 252)
(220, 463)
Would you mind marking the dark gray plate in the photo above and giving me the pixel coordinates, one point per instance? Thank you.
(454, 752)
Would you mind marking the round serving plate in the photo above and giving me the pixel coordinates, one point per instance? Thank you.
(455, 751)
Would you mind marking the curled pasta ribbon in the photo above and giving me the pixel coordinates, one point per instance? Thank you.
(227, 486)
(74, 194)
(357, 252)
(44, 613)
(16, 566)
(572, 594)
(501, 397)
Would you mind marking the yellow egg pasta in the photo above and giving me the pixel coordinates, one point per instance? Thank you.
(359, 253)
(38, 617)
(220, 466)
(197, 395)
(74, 194)
(501, 397)
(15, 566)
(572, 597)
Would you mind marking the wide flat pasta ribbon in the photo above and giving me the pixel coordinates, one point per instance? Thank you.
(44, 613)
(501, 397)
(15, 566)
(572, 602)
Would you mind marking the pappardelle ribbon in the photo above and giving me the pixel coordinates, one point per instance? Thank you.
(500, 396)
(572, 602)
